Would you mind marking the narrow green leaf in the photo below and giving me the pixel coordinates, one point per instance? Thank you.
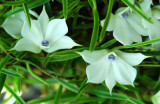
(2, 81)
(75, 18)
(65, 8)
(136, 9)
(18, 98)
(5, 60)
(33, 4)
(26, 11)
(48, 9)
(64, 57)
(70, 8)
(41, 99)
(12, 3)
(107, 44)
(58, 95)
(18, 82)
(117, 96)
(95, 31)
(87, 100)
(3, 76)
(137, 44)
(105, 94)
(106, 21)
(82, 88)
(35, 75)
(10, 72)
(67, 85)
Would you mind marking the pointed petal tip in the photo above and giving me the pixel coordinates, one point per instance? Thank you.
(110, 92)
(132, 84)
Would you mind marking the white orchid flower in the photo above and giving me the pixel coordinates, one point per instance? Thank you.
(156, 98)
(44, 35)
(111, 67)
(153, 29)
(126, 26)
(13, 24)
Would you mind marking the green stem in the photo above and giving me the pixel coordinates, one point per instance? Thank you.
(26, 11)
(58, 95)
(106, 21)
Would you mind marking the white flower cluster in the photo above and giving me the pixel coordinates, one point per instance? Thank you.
(111, 67)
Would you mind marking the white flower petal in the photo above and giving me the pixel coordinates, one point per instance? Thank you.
(131, 58)
(123, 32)
(96, 72)
(145, 5)
(153, 29)
(43, 20)
(33, 13)
(122, 10)
(93, 56)
(124, 73)
(156, 98)
(56, 29)
(135, 36)
(111, 23)
(26, 45)
(135, 22)
(34, 33)
(64, 42)
(110, 79)
(156, 13)
(13, 24)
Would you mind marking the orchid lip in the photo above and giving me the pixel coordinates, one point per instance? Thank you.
(45, 43)
(125, 15)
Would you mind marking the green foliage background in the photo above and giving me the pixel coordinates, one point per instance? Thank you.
(61, 74)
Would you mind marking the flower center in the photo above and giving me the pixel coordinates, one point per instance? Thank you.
(111, 56)
(158, 20)
(45, 43)
(125, 15)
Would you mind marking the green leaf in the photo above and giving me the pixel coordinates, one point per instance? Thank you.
(35, 75)
(11, 3)
(70, 8)
(41, 99)
(18, 98)
(58, 95)
(136, 9)
(26, 11)
(117, 96)
(82, 88)
(5, 60)
(107, 44)
(137, 44)
(65, 8)
(18, 82)
(95, 31)
(106, 21)
(105, 94)
(65, 55)
(2, 81)
(67, 85)
(10, 72)
(31, 5)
